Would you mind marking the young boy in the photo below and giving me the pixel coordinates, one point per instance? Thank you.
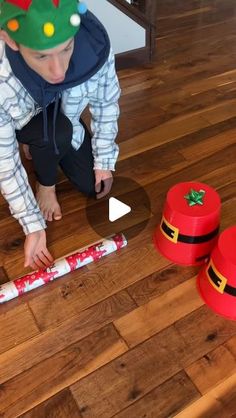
(55, 59)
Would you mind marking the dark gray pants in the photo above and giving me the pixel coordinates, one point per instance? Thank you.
(76, 165)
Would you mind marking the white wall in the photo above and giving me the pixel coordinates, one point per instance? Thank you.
(125, 34)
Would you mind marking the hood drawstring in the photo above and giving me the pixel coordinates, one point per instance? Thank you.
(45, 117)
(54, 122)
(45, 120)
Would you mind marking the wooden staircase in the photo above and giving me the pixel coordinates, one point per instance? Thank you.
(142, 12)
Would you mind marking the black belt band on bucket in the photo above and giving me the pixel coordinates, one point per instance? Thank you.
(187, 239)
(220, 282)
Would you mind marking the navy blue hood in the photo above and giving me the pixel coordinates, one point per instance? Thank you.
(91, 50)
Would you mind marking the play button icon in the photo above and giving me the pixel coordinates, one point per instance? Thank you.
(117, 209)
(126, 209)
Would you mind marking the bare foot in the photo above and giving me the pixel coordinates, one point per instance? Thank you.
(27, 154)
(48, 203)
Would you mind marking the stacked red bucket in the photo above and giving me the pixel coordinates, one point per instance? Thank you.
(189, 226)
(188, 235)
(217, 280)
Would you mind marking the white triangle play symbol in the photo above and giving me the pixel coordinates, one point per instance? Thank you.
(117, 209)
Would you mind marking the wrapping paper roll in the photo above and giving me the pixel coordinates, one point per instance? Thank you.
(62, 266)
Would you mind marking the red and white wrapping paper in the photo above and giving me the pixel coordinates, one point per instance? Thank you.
(62, 266)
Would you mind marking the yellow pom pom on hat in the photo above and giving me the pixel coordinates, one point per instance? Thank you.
(48, 29)
(41, 24)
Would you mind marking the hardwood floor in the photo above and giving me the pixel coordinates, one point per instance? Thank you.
(129, 336)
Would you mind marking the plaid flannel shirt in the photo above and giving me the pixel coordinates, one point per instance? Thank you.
(101, 93)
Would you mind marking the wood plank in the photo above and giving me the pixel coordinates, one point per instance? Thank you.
(194, 69)
(214, 29)
(227, 88)
(198, 171)
(218, 403)
(213, 178)
(159, 313)
(190, 13)
(215, 81)
(130, 377)
(221, 112)
(230, 345)
(146, 170)
(104, 279)
(229, 215)
(87, 289)
(160, 402)
(131, 94)
(194, 336)
(194, 104)
(202, 331)
(3, 276)
(50, 342)
(44, 380)
(147, 108)
(227, 193)
(62, 405)
(160, 282)
(198, 65)
(167, 132)
(212, 369)
(149, 83)
(16, 326)
(207, 146)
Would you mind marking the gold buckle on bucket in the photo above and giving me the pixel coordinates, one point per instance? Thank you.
(221, 280)
(174, 233)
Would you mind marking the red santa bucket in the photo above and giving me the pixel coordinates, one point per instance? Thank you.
(190, 223)
(217, 281)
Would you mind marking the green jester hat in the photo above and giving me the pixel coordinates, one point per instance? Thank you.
(41, 24)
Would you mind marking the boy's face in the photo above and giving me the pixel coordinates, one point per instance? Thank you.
(50, 64)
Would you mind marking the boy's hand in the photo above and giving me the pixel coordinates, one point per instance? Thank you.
(37, 255)
(103, 182)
